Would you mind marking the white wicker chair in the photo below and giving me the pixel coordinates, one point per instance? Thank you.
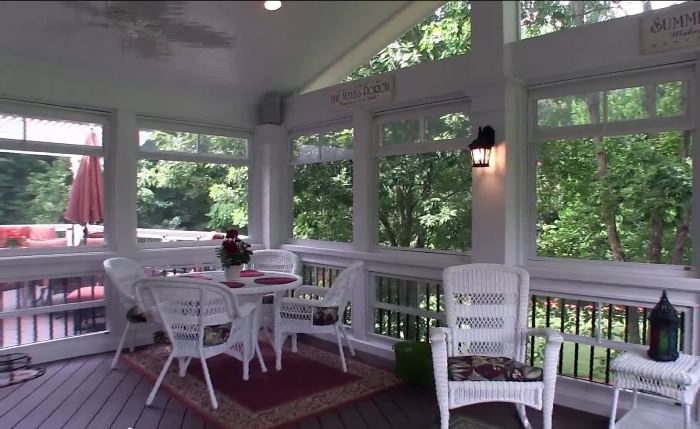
(186, 307)
(123, 274)
(296, 315)
(282, 261)
(486, 308)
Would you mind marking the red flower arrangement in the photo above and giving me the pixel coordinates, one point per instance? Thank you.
(233, 250)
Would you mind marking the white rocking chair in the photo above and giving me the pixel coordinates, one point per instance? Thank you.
(486, 308)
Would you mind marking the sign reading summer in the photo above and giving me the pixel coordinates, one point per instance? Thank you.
(671, 28)
(363, 92)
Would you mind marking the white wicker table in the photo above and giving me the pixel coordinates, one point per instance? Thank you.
(635, 371)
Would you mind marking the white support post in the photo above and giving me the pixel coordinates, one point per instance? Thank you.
(271, 164)
(364, 216)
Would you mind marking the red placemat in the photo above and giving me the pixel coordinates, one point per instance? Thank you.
(251, 273)
(196, 276)
(233, 285)
(275, 280)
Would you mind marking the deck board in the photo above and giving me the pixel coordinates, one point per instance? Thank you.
(86, 393)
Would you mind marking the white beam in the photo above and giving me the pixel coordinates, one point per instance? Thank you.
(387, 32)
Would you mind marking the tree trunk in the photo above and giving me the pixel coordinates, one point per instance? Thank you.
(683, 226)
(657, 233)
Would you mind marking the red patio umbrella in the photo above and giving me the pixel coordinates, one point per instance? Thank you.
(86, 201)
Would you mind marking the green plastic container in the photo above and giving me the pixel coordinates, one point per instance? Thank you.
(414, 363)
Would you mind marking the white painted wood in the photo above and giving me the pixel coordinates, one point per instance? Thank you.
(275, 183)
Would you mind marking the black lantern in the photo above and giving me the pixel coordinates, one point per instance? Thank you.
(481, 147)
(663, 338)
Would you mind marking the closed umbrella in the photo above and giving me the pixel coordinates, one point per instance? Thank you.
(86, 201)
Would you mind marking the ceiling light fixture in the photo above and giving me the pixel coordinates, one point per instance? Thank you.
(273, 5)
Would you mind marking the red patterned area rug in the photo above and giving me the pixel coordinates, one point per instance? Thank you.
(311, 381)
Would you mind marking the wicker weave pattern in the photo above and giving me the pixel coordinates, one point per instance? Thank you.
(282, 261)
(295, 315)
(123, 274)
(185, 307)
(679, 380)
(486, 312)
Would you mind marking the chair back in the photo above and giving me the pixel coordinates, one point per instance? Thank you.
(339, 293)
(184, 306)
(123, 273)
(486, 309)
(282, 261)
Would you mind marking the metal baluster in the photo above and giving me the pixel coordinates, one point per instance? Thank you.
(593, 333)
(533, 319)
(578, 331)
(18, 304)
(562, 325)
(608, 352)
(378, 297)
(65, 313)
(645, 315)
(627, 319)
(427, 307)
(681, 340)
(2, 321)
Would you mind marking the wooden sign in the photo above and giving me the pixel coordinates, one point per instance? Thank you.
(671, 28)
(363, 92)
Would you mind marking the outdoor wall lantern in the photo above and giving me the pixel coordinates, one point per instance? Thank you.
(663, 331)
(481, 147)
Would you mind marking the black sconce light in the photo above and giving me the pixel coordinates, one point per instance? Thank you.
(663, 332)
(481, 147)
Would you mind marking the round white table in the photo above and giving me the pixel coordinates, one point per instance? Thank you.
(253, 292)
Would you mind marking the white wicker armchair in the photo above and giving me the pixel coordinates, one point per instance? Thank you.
(123, 273)
(282, 261)
(202, 319)
(309, 315)
(486, 308)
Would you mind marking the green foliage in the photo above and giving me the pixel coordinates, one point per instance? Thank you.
(50, 190)
(443, 34)
(188, 195)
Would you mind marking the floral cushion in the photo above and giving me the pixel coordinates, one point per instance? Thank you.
(325, 316)
(213, 335)
(135, 316)
(487, 368)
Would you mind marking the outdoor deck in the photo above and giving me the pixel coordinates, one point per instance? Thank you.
(85, 393)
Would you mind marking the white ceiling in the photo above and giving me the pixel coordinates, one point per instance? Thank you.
(236, 47)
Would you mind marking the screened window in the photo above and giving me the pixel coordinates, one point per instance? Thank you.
(425, 179)
(322, 169)
(542, 17)
(614, 181)
(192, 184)
(51, 179)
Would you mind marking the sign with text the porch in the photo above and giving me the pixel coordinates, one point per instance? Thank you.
(672, 28)
(363, 92)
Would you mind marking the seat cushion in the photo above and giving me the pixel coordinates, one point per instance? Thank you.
(325, 316)
(213, 335)
(487, 368)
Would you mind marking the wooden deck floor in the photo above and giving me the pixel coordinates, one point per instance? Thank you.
(85, 393)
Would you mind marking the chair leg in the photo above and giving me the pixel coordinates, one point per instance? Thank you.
(152, 395)
(120, 346)
(210, 387)
(522, 413)
(340, 348)
(183, 363)
(279, 342)
(259, 353)
(294, 343)
(547, 409)
(343, 329)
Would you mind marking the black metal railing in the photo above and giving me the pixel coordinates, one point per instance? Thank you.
(407, 308)
(47, 293)
(324, 276)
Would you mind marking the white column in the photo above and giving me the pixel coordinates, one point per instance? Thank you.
(364, 215)
(274, 184)
(121, 175)
(497, 101)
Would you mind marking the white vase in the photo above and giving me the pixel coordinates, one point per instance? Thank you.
(232, 272)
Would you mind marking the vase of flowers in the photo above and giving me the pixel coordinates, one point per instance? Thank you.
(233, 253)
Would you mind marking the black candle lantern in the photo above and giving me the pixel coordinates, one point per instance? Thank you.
(481, 147)
(664, 323)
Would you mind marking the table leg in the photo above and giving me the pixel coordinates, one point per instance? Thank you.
(686, 408)
(635, 394)
(613, 411)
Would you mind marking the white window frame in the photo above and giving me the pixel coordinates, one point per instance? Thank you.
(537, 136)
(322, 128)
(167, 125)
(60, 113)
(435, 109)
